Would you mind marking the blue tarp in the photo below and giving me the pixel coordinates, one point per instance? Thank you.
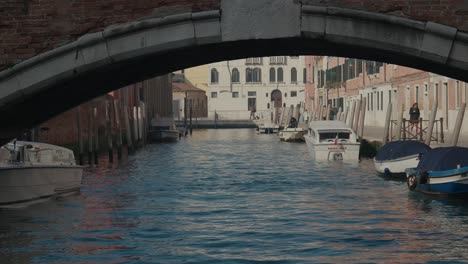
(441, 159)
(399, 149)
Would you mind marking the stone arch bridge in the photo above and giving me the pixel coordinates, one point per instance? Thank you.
(57, 54)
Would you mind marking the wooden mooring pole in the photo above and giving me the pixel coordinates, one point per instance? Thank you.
(356, 116)
(90, 136)
(351, 117)
(328, 112)
(430, 127)
(80, 135)
(362, 119)
(110, 148)
(119, 129)
(458, 124)
(96, 135)
(128, 128)
(387, 124)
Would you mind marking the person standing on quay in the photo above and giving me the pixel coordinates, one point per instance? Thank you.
(414, 116)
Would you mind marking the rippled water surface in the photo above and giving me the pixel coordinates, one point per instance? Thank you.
(231, 196)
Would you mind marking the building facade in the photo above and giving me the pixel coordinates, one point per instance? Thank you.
(236, 88)
(341, 81)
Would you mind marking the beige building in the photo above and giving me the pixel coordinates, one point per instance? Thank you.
(197, 76)
(186, 96)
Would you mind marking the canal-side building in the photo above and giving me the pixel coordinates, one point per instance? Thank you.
(340, 81)
(262, 84)
(186, 96)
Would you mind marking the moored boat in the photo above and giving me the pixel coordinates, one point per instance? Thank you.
(290, 134)
(332, 140)
(395, 157)
(31, 172)
(441, 171)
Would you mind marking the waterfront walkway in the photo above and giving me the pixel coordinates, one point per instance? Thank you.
(374, 133)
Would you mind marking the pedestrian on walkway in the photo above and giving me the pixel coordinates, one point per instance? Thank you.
(414, 117)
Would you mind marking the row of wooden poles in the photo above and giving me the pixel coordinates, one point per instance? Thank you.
(430, 128)
(354, 115)
(135, 137)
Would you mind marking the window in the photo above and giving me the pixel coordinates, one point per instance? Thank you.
(280, 75)
(416, 94)
(235, 94)
(284, 104)
(214, 95)
(285, 94)
(253, 75)
(272, 75)
(304, 75)
(457, 94)
(252, 93)
(293, 75)
(251, 103)
(235, 78)
(268, 106)
(214, 76)
(293, 93)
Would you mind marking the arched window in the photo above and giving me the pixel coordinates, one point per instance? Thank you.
(293, 75)
(257, 75)
(280, 75)
(248, 75)
(268, 106)
(235, 78)
(272, 75)
(214, 76)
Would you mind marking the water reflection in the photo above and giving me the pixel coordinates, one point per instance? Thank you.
(231, 196)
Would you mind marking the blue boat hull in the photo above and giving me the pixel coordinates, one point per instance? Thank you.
(449, 182)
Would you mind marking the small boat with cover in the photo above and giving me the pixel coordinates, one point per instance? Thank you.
(442, 171)
(395, 157)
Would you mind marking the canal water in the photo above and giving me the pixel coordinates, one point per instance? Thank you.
(232, 196)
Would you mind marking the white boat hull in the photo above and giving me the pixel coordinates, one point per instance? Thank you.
(331, 151)
(396, 166)
(24, 185)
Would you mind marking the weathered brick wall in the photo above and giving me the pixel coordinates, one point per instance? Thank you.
(30, 27)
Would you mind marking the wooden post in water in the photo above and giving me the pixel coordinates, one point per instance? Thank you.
(80, 135)
(458, 124)
(430, 127)
(190, 117)
(127, 123)
(345, 117)
(328, 112)
(351, 117)
(387, 123)
(109, 133)
(96, 135)
(356, 116)
(362, 119)
(90, 136)
(400, 122)
(420, 129)
(320, 112)
(119, 129)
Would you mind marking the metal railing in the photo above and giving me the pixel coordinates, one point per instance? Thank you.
(417, 130)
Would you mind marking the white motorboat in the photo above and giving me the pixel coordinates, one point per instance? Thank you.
(292, 134)
(31, 172)
(395, 157)
(332, 140)
(268, 128)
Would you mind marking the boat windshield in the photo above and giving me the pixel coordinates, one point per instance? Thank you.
(333, 135)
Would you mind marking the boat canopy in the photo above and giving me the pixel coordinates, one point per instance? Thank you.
(441, 159)
(399, 149)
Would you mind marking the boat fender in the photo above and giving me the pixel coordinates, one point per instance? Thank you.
(411, 181)
(424, 178)
(386, 171)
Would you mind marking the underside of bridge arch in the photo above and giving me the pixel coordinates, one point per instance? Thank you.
(50, 83)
